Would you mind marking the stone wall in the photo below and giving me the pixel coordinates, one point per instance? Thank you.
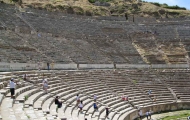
(55, 66)
(160, 108)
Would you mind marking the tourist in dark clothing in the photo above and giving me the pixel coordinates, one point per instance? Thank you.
(24, 77)
(107, 112)
(58, 103)
(95, 106)
(48, 66)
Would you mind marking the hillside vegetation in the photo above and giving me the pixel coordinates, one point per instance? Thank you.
(105, 7)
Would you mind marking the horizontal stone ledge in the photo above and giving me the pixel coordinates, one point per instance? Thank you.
(127, 66)
(96, 66)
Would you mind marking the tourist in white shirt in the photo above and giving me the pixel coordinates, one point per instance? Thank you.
(78, 99)
(148, 113)
(80, 106)
(45, 80)
(12, 87)
(95, 98)
(140, 114)
(45, 86)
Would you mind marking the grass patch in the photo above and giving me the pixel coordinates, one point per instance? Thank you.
(104, 7)
(49, 7)
(25, 97)
(178, 116)
(134, 81)
(78, 10)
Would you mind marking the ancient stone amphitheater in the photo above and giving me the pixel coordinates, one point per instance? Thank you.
(106, 56)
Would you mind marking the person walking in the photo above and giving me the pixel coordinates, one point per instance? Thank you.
(45, 86)
(12, 87)
(95, 106)
(148, 113)
(140, 114)
(107, 112)
(80, 106)
(58, 102)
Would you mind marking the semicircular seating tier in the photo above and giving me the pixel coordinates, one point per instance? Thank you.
(169, 91)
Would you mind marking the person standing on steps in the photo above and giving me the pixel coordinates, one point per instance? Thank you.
(127, 98)
(95, 106)
(95, 98)
(12, 87)
(78, 99)
(58, 103)
(45, 86)
(80, 106)
(140, 114)
(38, 64)
(123, 98)
(24, 77)
(52, 65)
(48, 66)
(149, 92)
(148, 113)
(45, 80)
(107, 112)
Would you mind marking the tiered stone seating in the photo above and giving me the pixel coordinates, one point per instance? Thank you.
(56, 39)
(178, 83)
(65, 38)
(109, 85)
(151, 82)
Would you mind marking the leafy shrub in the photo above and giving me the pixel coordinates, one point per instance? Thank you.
(25, 97)
(88, 13)
(92, 1)
(70, 10)
(134, 81)
(17, 1)
(165, 4)
(155, 3)
(14, 0)
(121, 9)
(175, 7)
(60, 7)
(168, 7)
(49, 6)
(78, 10)
(173, 13)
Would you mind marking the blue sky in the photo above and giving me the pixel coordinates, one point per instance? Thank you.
(181, 3)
